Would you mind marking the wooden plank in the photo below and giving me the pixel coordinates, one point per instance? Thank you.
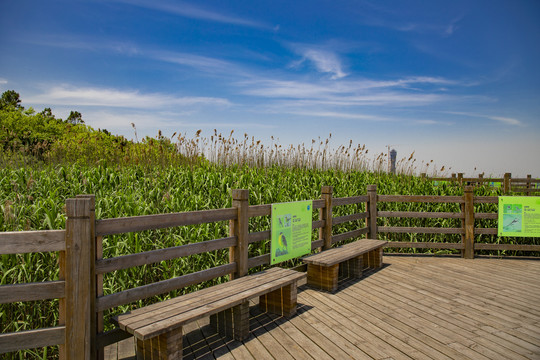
(468, 239)
(239, 228)
(259, 236)
(31, 339)
(170, 320)
(248, 281)
(346, 218)
(349, 235)
(501, 247)
(160, 221)
(350, 200)
(420, 198)
(345, 252)
(486, 216)
(486, 199)
(421, 215)
(259, 210)
(161, 287)
(318, 203)
(485, 231)
(32, 291)
(154, 256)
(420, 230)
(259, 260)
(424, 245)
(20, 242)
(325, 214)
(79, 260)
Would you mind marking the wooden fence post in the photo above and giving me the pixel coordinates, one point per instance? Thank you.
(460, 178)
(468, 239)
(528, 191)
(96, 247)
(79, 291)
(240, 228)
(480, 179)
(325, 214)
(507, 180)
(372, 210)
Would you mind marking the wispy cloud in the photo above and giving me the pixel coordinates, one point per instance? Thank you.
(325, 60)
(88, 96)
(196, 12)
(3, 81)
(502, 119)
(346, 93)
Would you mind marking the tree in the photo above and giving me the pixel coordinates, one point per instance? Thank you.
(47, 113)
(10, 100)
(75, 118)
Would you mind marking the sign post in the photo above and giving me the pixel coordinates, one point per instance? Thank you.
(291, 230)
(519, 216)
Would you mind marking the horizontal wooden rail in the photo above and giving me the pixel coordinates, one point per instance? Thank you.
(485, 199)
(420, 198)
(21, 242)
(349, 235)
(160, 221)
(32, 291)
(259, 236)
(154, 256)
(349, 200)
(420, 230)
(502, 247)
(31, 339)
(420, 215)
(424, 245)
(259, 260)
(486, 216)
(485, 231)
(346, 218)
(161, 287)
(259, 210)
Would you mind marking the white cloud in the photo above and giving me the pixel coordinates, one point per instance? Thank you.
(504, 120)
(324, 60)
(3, 81)
(88, 96)
(195, 12)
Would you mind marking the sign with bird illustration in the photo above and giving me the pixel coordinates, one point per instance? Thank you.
(291, 230)
(519, 216)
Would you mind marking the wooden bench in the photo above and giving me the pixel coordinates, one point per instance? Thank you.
(324, 268)
(157, 328)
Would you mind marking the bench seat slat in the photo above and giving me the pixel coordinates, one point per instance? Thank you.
(193, 297)
(343, 253)
(165, 316)
(176, 306)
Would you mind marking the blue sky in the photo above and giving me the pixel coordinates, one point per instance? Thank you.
(458, 82)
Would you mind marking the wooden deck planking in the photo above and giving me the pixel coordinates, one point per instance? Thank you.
(412, 308)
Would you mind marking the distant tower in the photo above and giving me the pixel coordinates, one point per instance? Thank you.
(393, 156)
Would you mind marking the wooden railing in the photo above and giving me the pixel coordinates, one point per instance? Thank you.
(82, 301)
(508, 184)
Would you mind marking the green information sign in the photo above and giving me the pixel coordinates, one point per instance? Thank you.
(291, 230)
(519, 216)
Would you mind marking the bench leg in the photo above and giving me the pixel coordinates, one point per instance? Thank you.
(167, 346)
(352, 268)
(233, 322)
(323, 277)
(281, 301)
(373, 259)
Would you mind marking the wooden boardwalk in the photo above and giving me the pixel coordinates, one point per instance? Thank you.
(413, 308)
